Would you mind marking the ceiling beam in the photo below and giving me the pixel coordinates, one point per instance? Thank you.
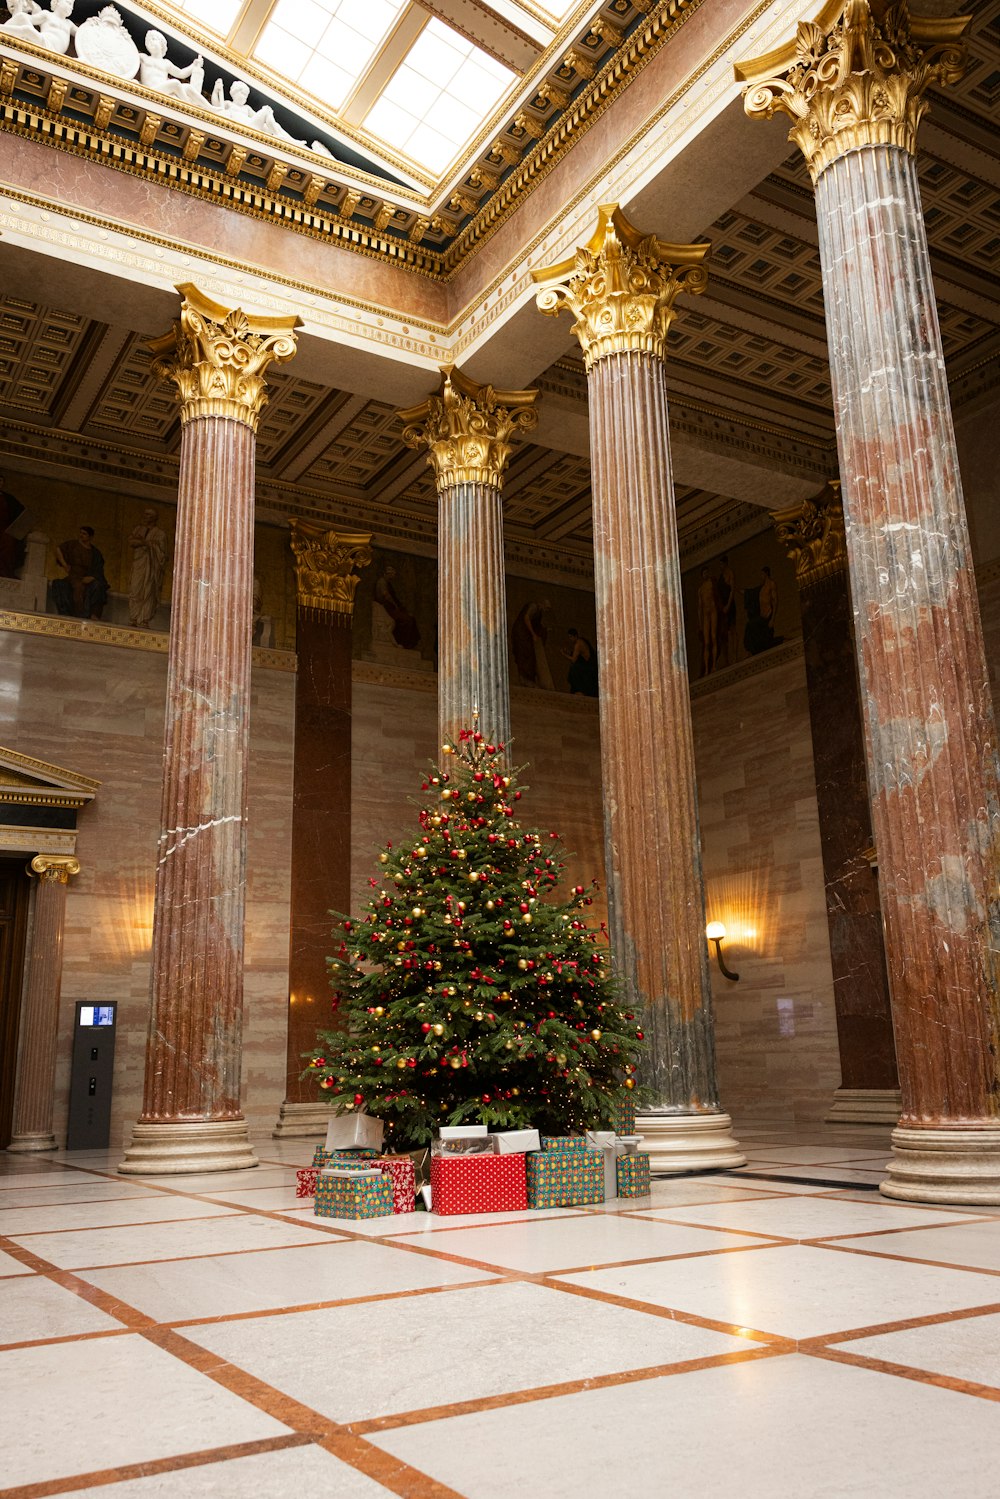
(480, 24)
(382, 66)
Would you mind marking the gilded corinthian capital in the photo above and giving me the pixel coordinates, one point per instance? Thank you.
(813, 535)
(467, 428)
(218, 357)
(620, 287)
(327, 564)
(857, 76)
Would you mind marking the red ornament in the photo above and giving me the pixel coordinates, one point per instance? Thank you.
(358, 1100)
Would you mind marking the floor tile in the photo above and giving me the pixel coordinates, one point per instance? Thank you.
(674, 1192)
(810, 1155)
(10, 1266)
(973, 1244)
(775, 1179)
(15, 1196)
(32, 1307)
(162, 1241)
(420, 1223)
(966, 1349)
(796, 1290)
(265, 1199)
(270, 1475)
(826, 1429)
(81, 1407)
(104, 1214)
(821, 1175)
(219, 1183)
(589, 1239)
(335, 1271)
(486, 1341)
(808, 1217)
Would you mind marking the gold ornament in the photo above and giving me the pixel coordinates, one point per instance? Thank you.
(326, 566)
(379, 1010)
(814, 537)
(438, 1030)
(401, 1062)
(856, 77)
(620, 287)
(467, 429)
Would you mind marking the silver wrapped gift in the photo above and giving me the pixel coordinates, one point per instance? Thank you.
(611, 1147)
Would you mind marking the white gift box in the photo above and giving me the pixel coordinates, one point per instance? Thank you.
(354, 1132)
(459, 1131)
(611, 1147)
(517, 1141)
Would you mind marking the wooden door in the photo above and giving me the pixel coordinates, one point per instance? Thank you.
(15, 888)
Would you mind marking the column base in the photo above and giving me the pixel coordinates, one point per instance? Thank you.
(689, 1142)
(24, 1143)
(172, 1149)
(865, 1106)
(944, 1165)
(302, 1120)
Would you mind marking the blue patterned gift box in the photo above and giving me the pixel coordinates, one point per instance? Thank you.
(359, 1158)
(633, 1175)
(560, 1144)
(564, 1178)
(624, 1120)
(353, 1194)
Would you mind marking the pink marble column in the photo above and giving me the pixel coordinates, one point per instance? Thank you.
(930, 733)
(467, 430)
(191, 1118)
(40, 1026)
(621, 289)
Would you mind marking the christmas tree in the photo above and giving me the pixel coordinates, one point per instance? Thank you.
(472, 994)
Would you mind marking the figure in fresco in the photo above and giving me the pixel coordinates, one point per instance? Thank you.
(257, 622)
(156, 71)
(149, 563)
(582, 658)
(768, 598)
(83, 592)
(11, 549)
(725, 589)
(708, 622)
(528, 635)
(761, 605)
(405, 630)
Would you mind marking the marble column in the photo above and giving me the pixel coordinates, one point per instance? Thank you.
(856, 92)
(326, 575)
(813, 535)
(191, 1116)
(620, 289)
(467, 430)
(40, 1026)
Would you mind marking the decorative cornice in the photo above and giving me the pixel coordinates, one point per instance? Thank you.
(217, 357)
(467, 429)
(620, 287)
(55, 869)
(91, 632)
(855, 77)
(814, 537)
(326, 564)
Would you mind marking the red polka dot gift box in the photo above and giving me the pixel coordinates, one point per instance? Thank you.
(478, 1184)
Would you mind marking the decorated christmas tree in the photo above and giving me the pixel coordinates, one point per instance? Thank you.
(471, 992)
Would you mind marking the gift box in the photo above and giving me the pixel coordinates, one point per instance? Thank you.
(633, 1175)
(625, 1117)
(478, 1184)
(560, 1143)
(305, 1181)
(460, 1131)
(343, 1193)
(352, 1131)
(323, 1157)
(564, 1178)
(611, 1148)
(516, 1141)
(402, 1175)
(477, 1144)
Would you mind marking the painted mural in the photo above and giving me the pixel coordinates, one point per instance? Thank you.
(739, 604)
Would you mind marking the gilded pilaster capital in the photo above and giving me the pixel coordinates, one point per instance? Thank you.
(327, 564)
(54, 869)
(813, 535)
(217, 357)
(857, 76)
(620, 287)
(467, 429)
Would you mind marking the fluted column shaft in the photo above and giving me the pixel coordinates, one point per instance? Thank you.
(40, 1027)
(653, 843)
(472, 612)
(930, 732)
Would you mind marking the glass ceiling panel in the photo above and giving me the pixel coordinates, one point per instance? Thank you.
(324, 45)
(438, 97)
(214, 15)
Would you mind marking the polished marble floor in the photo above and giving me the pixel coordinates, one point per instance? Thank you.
(780, 1330)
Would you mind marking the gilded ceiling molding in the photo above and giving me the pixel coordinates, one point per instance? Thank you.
(856, 77)
(467, 428)
(218, 357)
(620, 287)
(813, 535)
(55, 869)
(327, 566)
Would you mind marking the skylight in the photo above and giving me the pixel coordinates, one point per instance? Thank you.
(215, 15)
(324, 45)
(438, 97)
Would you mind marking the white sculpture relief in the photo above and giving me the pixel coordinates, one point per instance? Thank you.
(55, 29)
(156, 71)
(104, 43)
(22, 21)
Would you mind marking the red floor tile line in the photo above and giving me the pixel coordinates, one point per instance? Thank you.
(662, 1259)
(212, 1254)
(103, 1476)
(90, 1228)
(931, 1319)
(906, 1371)
(554, 1391)
(671, 1314)
(69, 1337)
(905, 1259)
(131, 1318)
(321, 1306)
(391, 1472)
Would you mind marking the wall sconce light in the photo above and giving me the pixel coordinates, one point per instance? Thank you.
(716, 932)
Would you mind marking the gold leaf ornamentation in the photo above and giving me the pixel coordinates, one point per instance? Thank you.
(813, 535)
(467, 428)
(327, 564)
